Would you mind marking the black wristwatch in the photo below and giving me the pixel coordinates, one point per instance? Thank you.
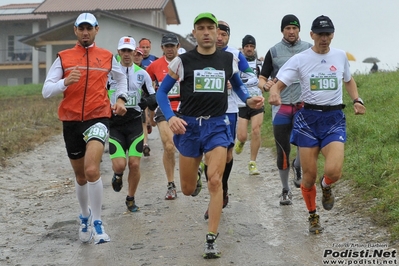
(358, 100)
(123, 98)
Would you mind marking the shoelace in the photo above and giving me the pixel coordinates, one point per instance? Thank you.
(327, 192)
(202, 117)
(98, 228)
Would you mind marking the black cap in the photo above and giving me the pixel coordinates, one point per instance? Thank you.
(169, 38)
(248, 39)
(290, 20)
(322, 24)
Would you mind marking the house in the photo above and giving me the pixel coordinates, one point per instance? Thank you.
(35, 33)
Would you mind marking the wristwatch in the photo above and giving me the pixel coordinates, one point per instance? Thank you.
(123, 98)
(358, 100)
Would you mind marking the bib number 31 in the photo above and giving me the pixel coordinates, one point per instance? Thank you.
(96, 131)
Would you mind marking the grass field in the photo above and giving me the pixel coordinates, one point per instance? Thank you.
(371, 152)
(372, 148)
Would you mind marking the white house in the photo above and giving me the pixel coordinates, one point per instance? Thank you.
(33, 34)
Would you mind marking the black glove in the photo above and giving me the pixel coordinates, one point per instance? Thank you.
(143, 103)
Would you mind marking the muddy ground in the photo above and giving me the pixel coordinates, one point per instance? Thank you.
(39, 225)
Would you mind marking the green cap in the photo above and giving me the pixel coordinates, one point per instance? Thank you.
(207, 15)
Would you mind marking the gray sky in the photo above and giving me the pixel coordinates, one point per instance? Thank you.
(362, 27)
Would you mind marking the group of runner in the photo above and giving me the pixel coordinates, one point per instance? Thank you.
(200, 95)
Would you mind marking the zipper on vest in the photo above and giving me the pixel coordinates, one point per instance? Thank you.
(87, 81)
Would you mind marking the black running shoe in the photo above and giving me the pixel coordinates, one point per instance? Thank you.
(131, 205)
(146, 150)
(117, 183)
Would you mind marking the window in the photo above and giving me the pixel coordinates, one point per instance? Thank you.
(18, 51)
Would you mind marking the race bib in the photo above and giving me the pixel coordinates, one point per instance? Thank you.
(209, 80)
(132, 97)
(323, 83)
(96, 131)
(174, 91)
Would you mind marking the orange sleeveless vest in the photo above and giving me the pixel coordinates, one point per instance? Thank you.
(88, 98)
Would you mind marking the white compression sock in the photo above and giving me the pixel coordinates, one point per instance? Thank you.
(96, 198)
(83, 198)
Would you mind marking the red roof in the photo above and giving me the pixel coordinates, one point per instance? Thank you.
(50, 6)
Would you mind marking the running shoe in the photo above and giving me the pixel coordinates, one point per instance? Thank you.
(328, 197)
(286, 197)
(297, 174)
(146, 150)
(117, 183)
(99, 234)
(239, 146)
(131, 205)
(206, 214)
(201, 167)
(171, 193)
(314, 224)
(199, 182)
(85, 232)
(211, 249)
(253, 170)
(149, 129)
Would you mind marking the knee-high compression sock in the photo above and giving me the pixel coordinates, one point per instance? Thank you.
(226, 175)
(309, 195)
(284, 177)
(83, 198)
(96, 198)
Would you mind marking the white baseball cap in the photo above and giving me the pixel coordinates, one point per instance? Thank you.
(127, 42)
(86, 18)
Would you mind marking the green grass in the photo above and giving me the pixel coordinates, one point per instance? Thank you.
(372, 149)
(26, 119)
(371, 152)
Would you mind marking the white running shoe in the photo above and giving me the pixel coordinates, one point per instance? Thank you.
(85, 232)
(99, 234)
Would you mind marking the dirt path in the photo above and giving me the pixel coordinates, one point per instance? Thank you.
(38, 222)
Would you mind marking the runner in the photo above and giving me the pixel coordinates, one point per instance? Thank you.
(145, 45)
(157, 71)
(320, 126)
(250, 78)
(201, 124)
(247, 114)
(283, 115)
(85, 112)
(147, 128)
(126, 132)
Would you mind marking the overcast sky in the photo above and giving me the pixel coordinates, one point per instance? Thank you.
(363, 27)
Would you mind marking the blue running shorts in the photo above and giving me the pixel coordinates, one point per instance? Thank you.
(314, 128)
(233, 126)
(203, 134)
